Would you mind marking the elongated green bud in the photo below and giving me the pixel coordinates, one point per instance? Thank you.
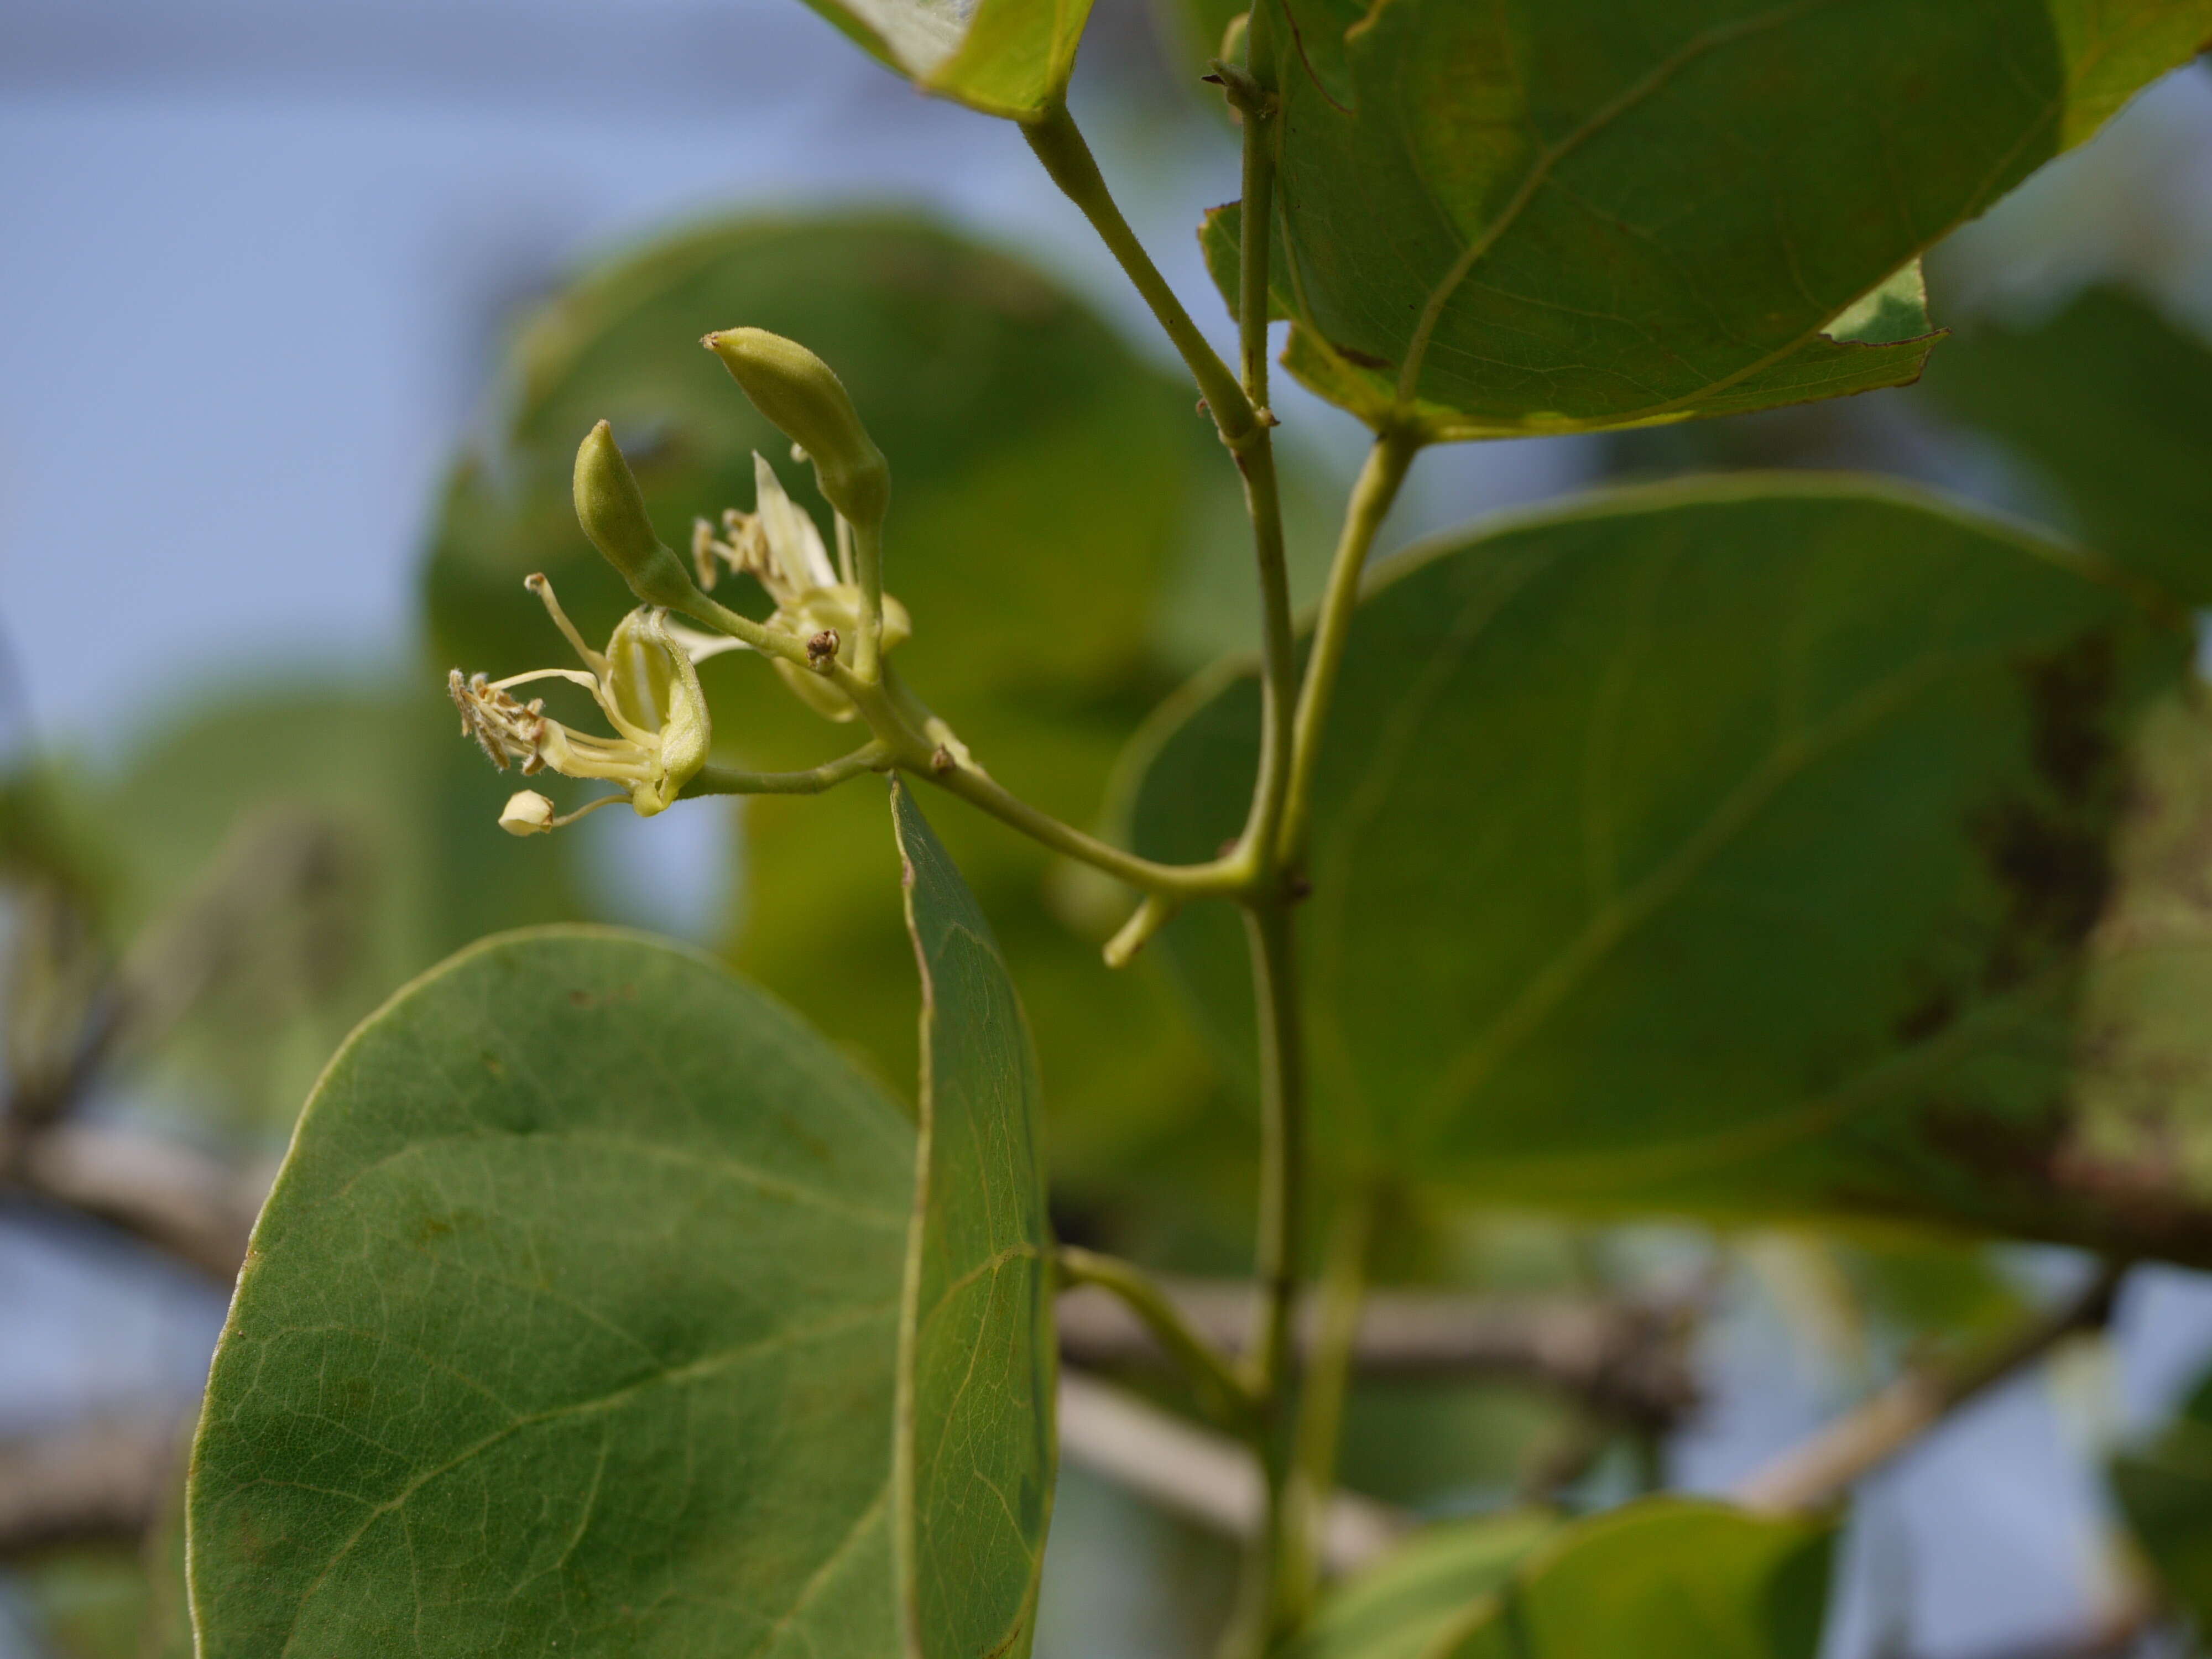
(798, 391)
(611, 508)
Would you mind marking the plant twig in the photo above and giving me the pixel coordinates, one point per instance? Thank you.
(1202, 1476)
(184, 1203)
(1270, 1363)
(1327, 1375)
(1372, 497)
(1227, 1396)
(1625, 1361)
(1058, 144)
(99, 1479)
(1222, 878)
(1821, 1469)
(1254, 97)
(729, 781)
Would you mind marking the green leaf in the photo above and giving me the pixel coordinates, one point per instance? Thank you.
(1662, 1578)
(1045, 485)
(1529, 217)
(2113, 404)
(2165, 1490)
(1009, 58)
(1399, 1608)
(979, 1364)
(1221, 240)
(596, 1305)
(571, 1321)
(1735, 845)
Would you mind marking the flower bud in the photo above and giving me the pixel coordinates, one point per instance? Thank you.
(526, 813)
(611, 508)
(799, 393)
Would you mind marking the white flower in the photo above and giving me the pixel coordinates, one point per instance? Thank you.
(645, 683)
(777, 544)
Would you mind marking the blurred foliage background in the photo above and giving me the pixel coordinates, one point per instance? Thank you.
(200, 903)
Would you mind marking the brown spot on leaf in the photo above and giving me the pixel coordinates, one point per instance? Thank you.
(1363, 359)
(2048, 848)
(2055, 876)
(621, 994)
(2069, 694)
(1925, 1018)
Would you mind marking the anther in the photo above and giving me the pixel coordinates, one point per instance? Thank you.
(942, 761)
(821, 651)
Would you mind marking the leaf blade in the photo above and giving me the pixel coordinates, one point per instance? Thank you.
(596, 1265)
(1728, 847)
(1662, 1579)
(1514, 220)
(976, 1344)
(1402, 1605)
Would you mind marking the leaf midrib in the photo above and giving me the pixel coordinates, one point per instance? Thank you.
(1613, 924)
(1540, 170)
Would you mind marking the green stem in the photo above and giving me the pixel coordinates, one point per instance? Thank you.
(1263, 1615)
(920, 743)
(1819, 1470)
(1227, 1396)
(770, 642)
(1222, 878)
(1059, 145)
(1254, 94)
(1371, 496)
(1279, 681)
(1327, 1384)
(908, 736)
(728, 780)
(868, 570)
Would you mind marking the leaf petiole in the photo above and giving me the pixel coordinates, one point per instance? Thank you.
(1228, 1397)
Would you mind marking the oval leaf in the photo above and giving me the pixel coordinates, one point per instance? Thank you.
(976, 1446)
(1662, 1579)
(571, 1319)
(1527, 217)
(1732, 846)
(1399, 1608)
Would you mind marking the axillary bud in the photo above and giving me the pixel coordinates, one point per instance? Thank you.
(611, 508)
(803, 396)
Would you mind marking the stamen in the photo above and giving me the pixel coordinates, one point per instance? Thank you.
(536, 583)
(704, 565)
(574, 676)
